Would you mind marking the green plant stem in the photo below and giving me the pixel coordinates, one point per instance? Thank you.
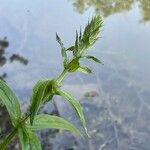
(61, 76)
(12, 135)
(58, 81)
(8, 139)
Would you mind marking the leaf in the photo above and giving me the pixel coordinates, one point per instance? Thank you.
(75, 52)
(92, 30)
(43, 121)
(84, 70)
(9, 99)
(75, 104)
(80, 36)
(42, 92)
(94, 59)
(73, 65)
(63, 49)
(28, 140)
(71, 48)
(87, 39)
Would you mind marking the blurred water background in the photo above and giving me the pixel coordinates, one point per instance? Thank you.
(116, 97)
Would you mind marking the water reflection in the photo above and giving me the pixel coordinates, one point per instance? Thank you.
(145, 10)
(117, 96)
(3, 60)
(5, 121)
(3, 45)
(16, 57)
(106, 7)
(109, 7)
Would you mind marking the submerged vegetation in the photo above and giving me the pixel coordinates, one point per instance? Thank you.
(24, 126)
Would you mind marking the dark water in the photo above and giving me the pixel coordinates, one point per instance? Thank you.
(119, 116)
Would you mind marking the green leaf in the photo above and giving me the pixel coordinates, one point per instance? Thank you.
(9, 99)
(42, 92)
(87, 39)
(94, 59)
(71, 48)
(28, 140)
(63, 49)
(75, 52)
(73, 65)
(43, 121)
(84, 70)
(75, 104)
(91, 31)
(24, 140)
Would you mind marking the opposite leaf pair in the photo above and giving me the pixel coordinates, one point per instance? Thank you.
(80, 48)
(44, 90)
(22, 126)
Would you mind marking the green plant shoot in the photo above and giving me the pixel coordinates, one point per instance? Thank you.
(44, 91)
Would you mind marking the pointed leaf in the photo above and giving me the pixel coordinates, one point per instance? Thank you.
(76, 45)
(80, 36)
(9, 99)
(43, 121)
(90, 35)
(28, 140)
(92, 30)
(63, 49)
(87, 39)
(84, 70)
(73, 65)
(42, 92)
(72, 48)
(75, 104)
(94, 59)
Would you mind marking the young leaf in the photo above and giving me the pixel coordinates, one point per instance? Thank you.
(43, 121)
(73, 65)
(91, 31)
(63, 49)
(94, 59)
(75, 104)
(72, 48)
(87, 39)
(28, 140)
(75, 52)
(9, 99)
(42, 92)
(84, 70)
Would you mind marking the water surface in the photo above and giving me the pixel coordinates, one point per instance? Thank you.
(120, 113)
